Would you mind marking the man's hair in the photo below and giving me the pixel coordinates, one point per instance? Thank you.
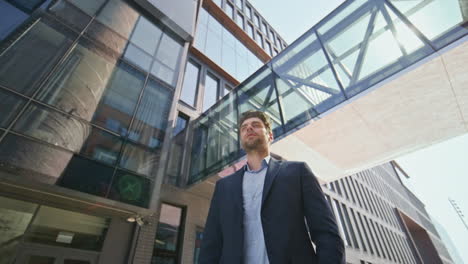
(259, 114)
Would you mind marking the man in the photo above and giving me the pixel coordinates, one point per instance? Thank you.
(269, 211)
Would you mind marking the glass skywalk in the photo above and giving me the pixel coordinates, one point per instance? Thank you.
(358, 45)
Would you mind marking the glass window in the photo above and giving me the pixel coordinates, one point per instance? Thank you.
(89, 7)
(211, 91)
(257, 20)
(15, 216)
(167, 60)
(190, 84)
(10, 106)
(350, 226)
(265, 29)
(146, 35)
(248, 11)
(131, 189)
(64, 228)
(87, 176)
(181, 123)
(240, 20)
(120, 98)
(250, 30)
(446, 15)
(272, 35)
(26, 6)
(139, 159)
(137, 56)
(78, 83)
(124, 23)
(259, 39)
(53, 127)
(30, 159)
(239, 3)
(33, 55)
(152, 115)
(198, 241)
(102, 146)
(168, 233)
(229, 10)
(269, 50)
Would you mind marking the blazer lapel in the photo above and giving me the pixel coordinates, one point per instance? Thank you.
(273, 169)
(237, 190)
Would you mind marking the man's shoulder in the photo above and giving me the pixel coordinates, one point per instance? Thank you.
(230, 178)
(293, 164)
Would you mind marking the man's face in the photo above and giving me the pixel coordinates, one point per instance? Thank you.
(254, 135)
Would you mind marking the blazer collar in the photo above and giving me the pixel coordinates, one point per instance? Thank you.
(273, 169)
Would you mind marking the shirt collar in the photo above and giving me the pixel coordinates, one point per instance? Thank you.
(265, 163)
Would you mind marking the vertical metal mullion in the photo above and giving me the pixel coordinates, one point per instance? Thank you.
(279, 99)
(335, 74)
(364, 46)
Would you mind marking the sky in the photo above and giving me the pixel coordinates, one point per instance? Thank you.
(436, 172)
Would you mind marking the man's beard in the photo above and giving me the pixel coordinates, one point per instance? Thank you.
(254, 145)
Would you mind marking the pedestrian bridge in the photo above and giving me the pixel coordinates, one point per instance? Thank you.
(372, 81)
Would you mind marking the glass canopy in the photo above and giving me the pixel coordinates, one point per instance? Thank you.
(358, 45)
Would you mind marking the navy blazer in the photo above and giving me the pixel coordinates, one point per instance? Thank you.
(291, 195)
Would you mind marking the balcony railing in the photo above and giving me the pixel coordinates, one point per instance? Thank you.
(358, 45)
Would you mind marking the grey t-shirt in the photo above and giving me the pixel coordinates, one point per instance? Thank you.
(252, 191)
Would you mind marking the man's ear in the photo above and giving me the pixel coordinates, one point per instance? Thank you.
(270, 136)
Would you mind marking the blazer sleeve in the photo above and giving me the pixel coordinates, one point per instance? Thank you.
(212, 243)
(320, 220)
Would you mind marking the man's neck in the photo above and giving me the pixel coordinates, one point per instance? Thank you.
(254, 159)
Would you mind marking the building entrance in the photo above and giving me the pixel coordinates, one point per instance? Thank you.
(41, 254)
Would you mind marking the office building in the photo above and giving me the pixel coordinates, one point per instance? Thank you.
(117, 116)
(381, 221)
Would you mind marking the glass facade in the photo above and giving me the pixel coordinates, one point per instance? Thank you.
(223, 48)
(94, 83)
(358, 45)
(29, 222)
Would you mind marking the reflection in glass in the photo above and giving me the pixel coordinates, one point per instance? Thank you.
(138, 159)
(87, 176)
(31, 160)
(166, 244)
(214, 139)
(120, 98)
(152, 115)
(33, 55)
(130, 188)
(435, 18)
(64, 228)
(190, 84)
(79, 82)
(15, 216)
(146, 35)
(69, 14)
(102, 146)
(165, 66)
(9, 107)
(224, 49)
(137, 57)
(52, 127)
(119, 16)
